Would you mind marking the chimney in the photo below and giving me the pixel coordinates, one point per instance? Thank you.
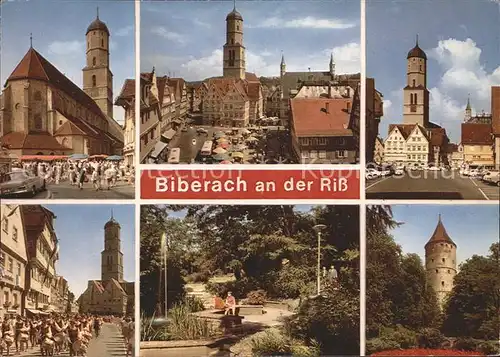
(327, 108)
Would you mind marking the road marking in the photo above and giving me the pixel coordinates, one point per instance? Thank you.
(480, 190)
(385, 178)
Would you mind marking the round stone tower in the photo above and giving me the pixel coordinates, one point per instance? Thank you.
(112, 256)
(441, 262)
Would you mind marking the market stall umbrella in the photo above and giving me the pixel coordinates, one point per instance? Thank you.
(219, 135)
(238, 136)
(240, 147)
(222, 140)
(224, 145)
(114, 158)
(220, 150)
(228, 132)
(245, 131)
(225, 162)
(79, 157)
(238, 155)
(221, 157)
(252, 139)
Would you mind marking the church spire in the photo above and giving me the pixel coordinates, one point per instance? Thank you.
(468, 103)
(234, 5)
(416, 41)
(97, 13)
(332, 66)
(31, 40)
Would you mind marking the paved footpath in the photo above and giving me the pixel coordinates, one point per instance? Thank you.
(108, 344)
(64, 190)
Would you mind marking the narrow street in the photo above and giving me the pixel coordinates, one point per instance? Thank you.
(108, 344)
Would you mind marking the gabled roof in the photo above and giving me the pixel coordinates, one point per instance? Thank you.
(477, 134)
(127, 92)
(310, 117)
(404, 129)
(34, 66)
(440, 235)
(69, 128)
(39, 141)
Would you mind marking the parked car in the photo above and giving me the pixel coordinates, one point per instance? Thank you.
(372, 174)
(399, 171)
(184, 129)
(434, 168)
(492, 177)
(19, 183)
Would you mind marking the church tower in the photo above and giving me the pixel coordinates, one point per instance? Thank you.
(415, 94)
(111, 256)
(332, 67)
(97, 77)
(441, 262)
(468, 111)
(234, 52)
(282, 66)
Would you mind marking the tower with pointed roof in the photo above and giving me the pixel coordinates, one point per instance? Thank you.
(282, 66)
(468, 111)
(441, 262)
(234, 51)
(97, 76)
(415, 93)
(111, 256)
(332, 66)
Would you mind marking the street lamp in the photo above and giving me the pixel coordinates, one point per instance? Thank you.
(318, 229)
(163, 251)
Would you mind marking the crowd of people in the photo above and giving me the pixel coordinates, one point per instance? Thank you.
(57, 333)
(102, 174)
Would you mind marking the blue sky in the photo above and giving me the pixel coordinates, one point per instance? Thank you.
(185, 38)
(473, 228)
(462, 42)
(80, 230)
(59, 28)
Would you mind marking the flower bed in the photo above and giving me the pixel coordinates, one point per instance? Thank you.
(426, 352)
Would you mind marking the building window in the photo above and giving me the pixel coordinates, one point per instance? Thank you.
(18, 269)
(415, 98)
(414, 83)
(14, 234)
(449, 271)
(442, 283)
(10, 267)
(102, 42)
(341, 154)
(443, 260)
(304, 154)
(94, 81)
(93, 61)
(437, 271)
(314, 154)
(322, 154)
(237, 27)
(5, 225)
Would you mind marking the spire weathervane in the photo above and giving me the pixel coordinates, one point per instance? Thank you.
(234, 2)
(31, 40)
(98, 13)
(417, 40)
(112, 217)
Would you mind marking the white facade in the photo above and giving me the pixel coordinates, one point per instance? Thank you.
(417, 148)
(13, 259)
(395, 147)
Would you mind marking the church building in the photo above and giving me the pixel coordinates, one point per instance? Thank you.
(111, 295)
(441, 262)
(44, 113)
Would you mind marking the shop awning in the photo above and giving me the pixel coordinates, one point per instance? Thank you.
(158, 149)
(43, 157)
(33, 311)
(169, 134)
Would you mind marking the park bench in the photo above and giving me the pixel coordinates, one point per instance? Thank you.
(243, 310)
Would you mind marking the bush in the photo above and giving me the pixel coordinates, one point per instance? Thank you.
(194, 303)
(198, 277)
(239, 288)
(489, 348)
(380, 344)
(273, 342)
(466, 344)
(256, 297)
(430, 338)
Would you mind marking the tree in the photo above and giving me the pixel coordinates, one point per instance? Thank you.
(473, 306)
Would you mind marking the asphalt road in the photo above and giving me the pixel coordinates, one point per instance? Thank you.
(428, 185)
(66, 191)
(108, 344)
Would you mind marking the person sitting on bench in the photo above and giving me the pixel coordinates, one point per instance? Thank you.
(230, 304)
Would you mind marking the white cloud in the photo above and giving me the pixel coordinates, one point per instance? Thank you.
(266, 63)
(125, 31)
(67, 48)
(464, 75)
(198, 22)
(306, 22)
(169, 35)
(387, 105)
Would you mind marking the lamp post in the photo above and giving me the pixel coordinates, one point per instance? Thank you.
(164, 256)
(318, 229)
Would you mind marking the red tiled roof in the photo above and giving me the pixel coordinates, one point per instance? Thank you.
(438, 136)
(476, 134)
(452, 147)
(251, 77)
(128, 90)
(39, 141)
(440, 235)
(310, 118)
(34, 218)
(495, 109)
(35, 66)
(69, 128)
(405, 129)
(253, 90)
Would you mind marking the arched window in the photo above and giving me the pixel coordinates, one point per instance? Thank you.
(232, 41)
(411, 98)
(415, 98)
(64, 142)
(94, 81)
(237, 27)
(414, 83)
(102, 42)
(94, 62)
(38, 95)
